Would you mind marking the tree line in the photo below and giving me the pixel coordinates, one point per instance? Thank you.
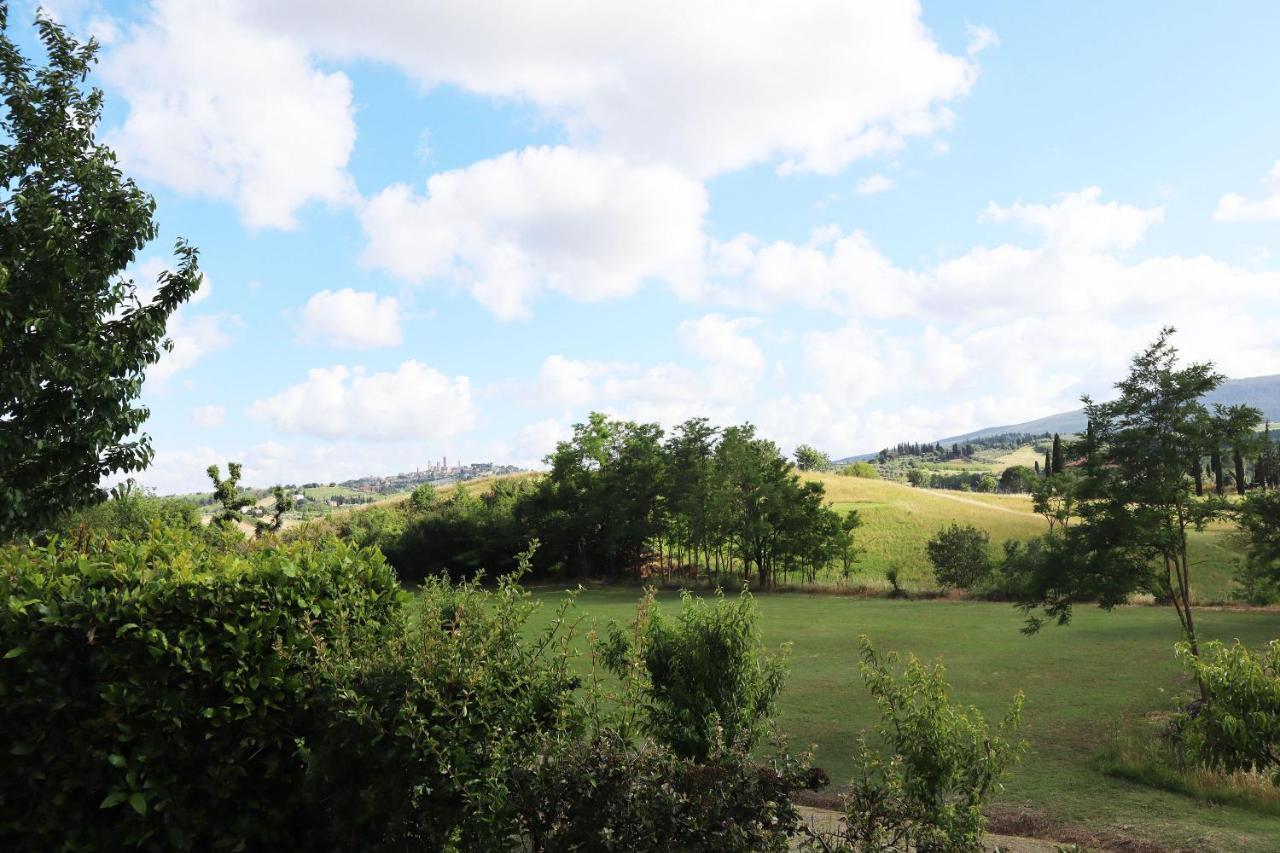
(625, 499)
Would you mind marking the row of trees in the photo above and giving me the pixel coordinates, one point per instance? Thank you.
(624, 499)
(621, 498)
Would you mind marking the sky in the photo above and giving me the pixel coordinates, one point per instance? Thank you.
(455, 228)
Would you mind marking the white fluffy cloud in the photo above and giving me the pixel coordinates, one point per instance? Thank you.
(874, 184)
(1078, 222)
(1234, 207)
(193, 338)
(223, 109)
(351, 318)
(413, 402)
(208, 416)
(706, 86)
(586, 225)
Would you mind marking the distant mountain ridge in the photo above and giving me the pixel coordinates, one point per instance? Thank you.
(1262, 392)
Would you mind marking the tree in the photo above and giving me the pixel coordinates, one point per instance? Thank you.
(1136, 502)
(1259, 517)
(810, 458)
(1055, 498)
(1058, 466)
(959, 556)
(1018, 478)
(228, 495)
(77, 338)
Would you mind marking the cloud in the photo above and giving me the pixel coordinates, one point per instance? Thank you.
(413, 402)
(874, 184)
(981, 38)
(567, 382)
(225, 110)
(723, 341)
(208, 417)
(1233, 207)
(710, 88)
(352, 319)
(1077, 222)
(193, 338)
(586, 225)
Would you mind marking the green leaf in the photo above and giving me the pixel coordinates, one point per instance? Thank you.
(139, 802)
(14, 652)
(115, 798)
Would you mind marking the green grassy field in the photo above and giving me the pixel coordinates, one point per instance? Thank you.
(899, 519)
(1083, 683)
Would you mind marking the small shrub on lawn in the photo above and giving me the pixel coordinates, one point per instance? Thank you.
(959, 556)
(940, 763)
(705, 672)
(1238, 727)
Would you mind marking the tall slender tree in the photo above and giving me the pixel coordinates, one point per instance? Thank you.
(1058, 465)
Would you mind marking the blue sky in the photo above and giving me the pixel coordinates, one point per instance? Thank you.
(456, 228)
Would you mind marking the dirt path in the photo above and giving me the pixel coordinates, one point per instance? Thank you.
(983, 504)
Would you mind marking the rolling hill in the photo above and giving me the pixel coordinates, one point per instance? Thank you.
(1260, 391)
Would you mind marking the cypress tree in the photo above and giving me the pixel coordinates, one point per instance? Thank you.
(1219, 479)
(1057, 454)
(1048, 464)
(1037, 467)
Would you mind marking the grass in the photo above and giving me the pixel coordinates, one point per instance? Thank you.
(899, 519)
(1084, 684)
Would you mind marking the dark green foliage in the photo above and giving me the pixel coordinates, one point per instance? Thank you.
(1238, 726)
(618, 502)
(152, 691)
(76, 338)
(925, 787)
(707, 677)
(809, 458)
(610, 793)
(1059, 463)
(959, 556)
(1259, 517)
(1018, 479)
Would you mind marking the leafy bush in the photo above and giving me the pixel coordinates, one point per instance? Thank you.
(130, 511)
(1259, 517)
(959, 556)
(860, 469)
(152, 692)
(919, 477)
(940, 764)
(706, 672)
(608, 792)
(1238, 727)
(425, 730)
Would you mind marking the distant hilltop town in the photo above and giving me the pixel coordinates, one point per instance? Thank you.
(436, 473)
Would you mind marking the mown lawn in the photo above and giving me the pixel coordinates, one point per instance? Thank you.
(1082, 683)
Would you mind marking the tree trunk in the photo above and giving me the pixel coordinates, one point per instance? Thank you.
(1219, 476)
(1239, 460)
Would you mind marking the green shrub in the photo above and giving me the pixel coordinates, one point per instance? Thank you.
(706, 674)
(939, 765)
(860, 469)
(426, 730)
(1238, 728)
(608, 792)
(959, 556)
(130, 511)
(151, 694)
